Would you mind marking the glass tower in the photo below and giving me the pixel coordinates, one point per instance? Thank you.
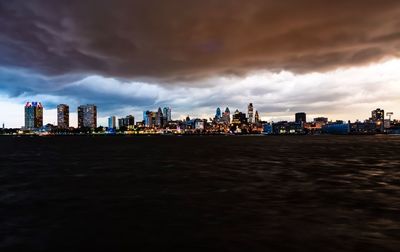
(33, 115)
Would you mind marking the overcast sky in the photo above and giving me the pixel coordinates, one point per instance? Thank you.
(338, 59)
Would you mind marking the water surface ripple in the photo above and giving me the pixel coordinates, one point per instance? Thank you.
(205, 193)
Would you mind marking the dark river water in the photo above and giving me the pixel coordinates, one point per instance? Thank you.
(201, 193)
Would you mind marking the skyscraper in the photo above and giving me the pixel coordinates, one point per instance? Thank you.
(226, 116)
(112, 122)
(33, 115)
(218, 114)
(301, 117)
(87, 116)
(250, 112)
(145, 117)
(378, 117)
(167, 114)
(128, 122)
(256, 117)
(159, 118)
(239, 117)
(63, 116)
(149, 118)
(121, 123)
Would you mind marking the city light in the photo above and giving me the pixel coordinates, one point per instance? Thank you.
(160, 122)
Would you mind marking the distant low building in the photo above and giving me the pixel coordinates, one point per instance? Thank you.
(267, 129)
(287, 128)
(336, 128)
(321, 120)
(366, 127)
(200, 124)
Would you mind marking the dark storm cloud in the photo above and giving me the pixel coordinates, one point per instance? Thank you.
(110, 93)
(186, 39)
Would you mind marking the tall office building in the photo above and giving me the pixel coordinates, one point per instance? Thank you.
(301, 117)
(250, 110)
(145, 118)
(256, 117)
(378, 117)
(63, 116)
(239, 117)
(218, 114)
(33, 115)
(149, 118)
(167, 114)
(121, 123)
(226, 116)
(112, 124)
(159, 118)
(128, 122)
(87, 116)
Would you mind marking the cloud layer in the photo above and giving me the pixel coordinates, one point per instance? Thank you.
(329, 58)
(186, 39)
(345, 94)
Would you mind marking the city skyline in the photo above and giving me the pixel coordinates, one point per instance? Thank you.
(105, 121)
(325, 59)
(87, 117)
(238, 122)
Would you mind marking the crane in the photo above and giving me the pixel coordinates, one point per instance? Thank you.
(390, 115)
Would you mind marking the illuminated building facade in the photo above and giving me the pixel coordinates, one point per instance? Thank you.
(149, 118)
(287, 128)
(250, 113)
(378, 117)
(87, 116)
(239, 118)
(166, 114)
(63, 116)
(33, 115)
